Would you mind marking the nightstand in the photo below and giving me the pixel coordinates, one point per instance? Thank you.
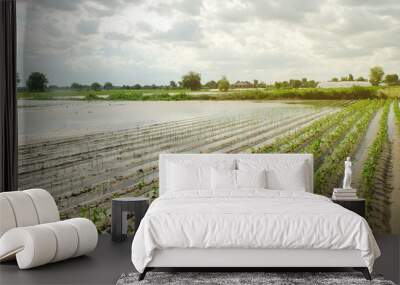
(355, 205)
(120, 208)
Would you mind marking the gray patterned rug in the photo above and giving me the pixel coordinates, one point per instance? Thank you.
(231, 278)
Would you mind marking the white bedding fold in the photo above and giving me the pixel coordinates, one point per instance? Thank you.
(250, 219)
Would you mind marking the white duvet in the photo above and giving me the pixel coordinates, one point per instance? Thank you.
(250, 219)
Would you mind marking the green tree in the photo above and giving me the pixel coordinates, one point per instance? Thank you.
(76, 86)
(262, 84)
(255, 83)
(312, 83)
(211, 84)
(334, 79)
(172, 84)
(391, 79)
(95, 86)
(223, 84)
(375, 75)
(17, 80)
(283, 84)
(294, 83)
(108, 86)
(360, 78)
(192, 81)
(37, 82)
(350, 77)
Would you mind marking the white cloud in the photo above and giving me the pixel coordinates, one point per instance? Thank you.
(184, 31)
(88, 27)
(192, 7)
(118, 36)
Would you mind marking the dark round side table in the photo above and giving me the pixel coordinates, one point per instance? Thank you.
(120, 208)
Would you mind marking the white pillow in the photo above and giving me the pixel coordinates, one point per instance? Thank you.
(251, 178)
(287, 174)
(226, 179)
(223, 179)
(185, 174)
(188, 177)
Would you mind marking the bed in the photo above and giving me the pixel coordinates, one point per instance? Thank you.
(253, 210)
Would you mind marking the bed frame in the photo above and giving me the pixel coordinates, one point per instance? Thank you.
(245, 259)
(249, 259)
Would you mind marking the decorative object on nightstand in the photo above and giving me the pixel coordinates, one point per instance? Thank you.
(344, 194)
(120, 209)
(347, 196)
(347, 192)
(347, 174)
(355, 205)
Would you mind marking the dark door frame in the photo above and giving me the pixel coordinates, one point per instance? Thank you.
(8, 99)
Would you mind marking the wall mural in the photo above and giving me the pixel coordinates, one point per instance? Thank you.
(105, 86)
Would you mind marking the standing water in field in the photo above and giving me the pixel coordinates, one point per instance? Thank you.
(42, 120)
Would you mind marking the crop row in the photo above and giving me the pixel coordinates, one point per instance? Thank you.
(327, 175)
(396, 110)
(323, 145)
(370, 165)
(262, 135)
(330, 140)
(295, 140)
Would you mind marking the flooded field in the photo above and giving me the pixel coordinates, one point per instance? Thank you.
(43, 120)
(85, 153)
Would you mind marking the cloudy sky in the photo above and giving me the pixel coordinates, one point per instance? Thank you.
(150, 41)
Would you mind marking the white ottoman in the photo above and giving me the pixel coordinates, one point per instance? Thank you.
(33, 243)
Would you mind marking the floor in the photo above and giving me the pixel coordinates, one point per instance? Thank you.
(110, 260)
(104, 266)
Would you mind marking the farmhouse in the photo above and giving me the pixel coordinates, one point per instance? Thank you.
(332, 84)
(243, 84)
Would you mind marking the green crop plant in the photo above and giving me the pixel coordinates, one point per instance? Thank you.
(310, 134)
(374, 153)
(154, 193)
(324, 144)
(396, 109)
(141, 185)
(97, 215)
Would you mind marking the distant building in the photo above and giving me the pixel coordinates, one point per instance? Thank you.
(242, 84)
(333, 84)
